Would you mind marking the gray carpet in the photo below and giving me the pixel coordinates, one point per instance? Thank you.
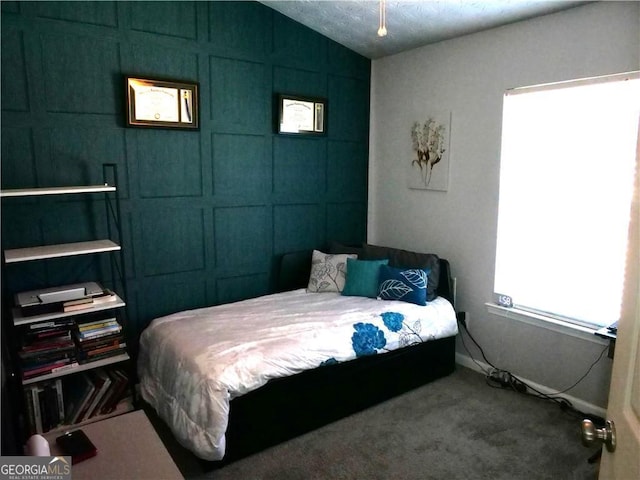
(454, 428)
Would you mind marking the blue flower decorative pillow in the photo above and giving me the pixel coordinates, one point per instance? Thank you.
(404, 284)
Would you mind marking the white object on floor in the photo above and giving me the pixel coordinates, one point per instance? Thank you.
(37, 446)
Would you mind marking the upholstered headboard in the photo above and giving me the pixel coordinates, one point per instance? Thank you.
(294, 270)
(295, 267)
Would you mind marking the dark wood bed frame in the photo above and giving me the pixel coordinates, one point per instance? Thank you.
(287, 407)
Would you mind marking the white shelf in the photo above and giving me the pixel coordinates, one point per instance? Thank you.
(19, 319)
(37, 192)
(79, 368)
(61, 250)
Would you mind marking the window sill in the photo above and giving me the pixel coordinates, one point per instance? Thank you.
(547, 323)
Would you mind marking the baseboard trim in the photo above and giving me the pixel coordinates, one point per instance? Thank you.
(581, 405)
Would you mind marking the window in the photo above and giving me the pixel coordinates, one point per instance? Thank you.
(566, 181)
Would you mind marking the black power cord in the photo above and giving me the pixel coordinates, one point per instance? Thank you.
(499, 378)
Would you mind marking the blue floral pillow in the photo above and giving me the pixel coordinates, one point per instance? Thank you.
(363, 277)
(405, 284)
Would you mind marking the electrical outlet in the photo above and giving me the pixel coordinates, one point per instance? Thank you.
(462, 318)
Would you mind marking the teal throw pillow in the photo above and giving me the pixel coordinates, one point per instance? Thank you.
(363, 277)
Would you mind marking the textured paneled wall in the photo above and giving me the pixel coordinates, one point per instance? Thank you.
(206, 213)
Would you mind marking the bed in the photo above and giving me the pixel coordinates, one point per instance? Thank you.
(233, 379)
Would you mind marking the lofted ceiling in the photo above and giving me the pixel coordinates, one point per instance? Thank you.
(410, 23)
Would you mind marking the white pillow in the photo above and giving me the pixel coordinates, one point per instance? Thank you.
(328, 271)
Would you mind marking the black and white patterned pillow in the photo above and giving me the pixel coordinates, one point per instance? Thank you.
(328, 272)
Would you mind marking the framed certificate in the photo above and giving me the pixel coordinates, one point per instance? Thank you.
(161, 103)
(301, 115)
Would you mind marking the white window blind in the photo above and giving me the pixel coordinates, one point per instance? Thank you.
(566, 180)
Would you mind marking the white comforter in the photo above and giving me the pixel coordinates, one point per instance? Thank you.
(193, 363)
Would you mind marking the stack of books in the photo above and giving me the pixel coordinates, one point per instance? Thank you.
(47, 347)
(83, 303)
(98, 339)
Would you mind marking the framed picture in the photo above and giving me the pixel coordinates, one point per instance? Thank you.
(428, 167)
(162, 103)
(301, 115)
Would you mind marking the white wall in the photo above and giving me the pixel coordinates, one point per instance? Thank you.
(468, 77)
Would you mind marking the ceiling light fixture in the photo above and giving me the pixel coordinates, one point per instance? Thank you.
(382, 29)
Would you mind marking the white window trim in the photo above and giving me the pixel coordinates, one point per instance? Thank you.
(540, 319)
(548, 323)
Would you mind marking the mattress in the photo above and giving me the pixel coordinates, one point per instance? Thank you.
(193, 363)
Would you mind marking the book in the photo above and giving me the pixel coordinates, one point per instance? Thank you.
(97, 324)
(34, 350)
(115, 379)
(33, 359)
(83, 327)
(102, 356)
(45, 369)
(55, 323)
(36, 409)
(60, 397)
(51, 405)
(80, 390)
(79, 304)
(119, 379)
(29, 335)
(53, 334)
(95, 384)
(92, 318)
(106, 297)
(88, 338)
(31, 418)
(101, 352)
(42, 405)
(87, 334)
(120, 394)
(100, 341)
(102, 382)
(89, 302)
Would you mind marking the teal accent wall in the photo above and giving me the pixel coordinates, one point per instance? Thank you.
(207, 213)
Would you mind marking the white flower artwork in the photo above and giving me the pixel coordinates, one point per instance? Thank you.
(429, 166)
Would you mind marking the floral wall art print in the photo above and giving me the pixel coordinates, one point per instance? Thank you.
(429, 165)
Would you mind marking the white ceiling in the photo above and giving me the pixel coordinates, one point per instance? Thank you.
(410, 23)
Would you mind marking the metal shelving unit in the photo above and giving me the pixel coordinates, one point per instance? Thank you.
(111, 246)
